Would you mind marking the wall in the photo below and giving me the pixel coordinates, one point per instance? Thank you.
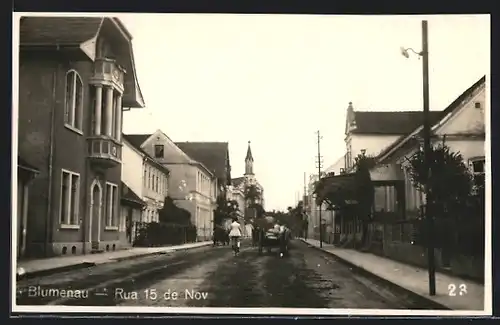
(132, 168)
(469, 119)
(35, 104)
(373, 143)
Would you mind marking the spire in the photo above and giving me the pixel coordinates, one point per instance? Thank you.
(249, 153)
(249, 162)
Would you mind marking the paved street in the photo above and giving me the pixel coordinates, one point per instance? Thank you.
(213, 277)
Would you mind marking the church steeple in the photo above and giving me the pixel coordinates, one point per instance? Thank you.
(249, 161)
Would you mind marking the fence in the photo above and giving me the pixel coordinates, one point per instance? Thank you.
(161, 234)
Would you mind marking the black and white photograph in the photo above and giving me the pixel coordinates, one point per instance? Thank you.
(251, 164)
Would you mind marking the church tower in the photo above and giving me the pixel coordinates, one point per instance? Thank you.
(249, 162)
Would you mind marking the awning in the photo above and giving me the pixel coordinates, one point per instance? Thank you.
(337, 190)
(130, 198)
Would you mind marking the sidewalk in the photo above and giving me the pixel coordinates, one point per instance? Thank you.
(411, 278)
(63, 263)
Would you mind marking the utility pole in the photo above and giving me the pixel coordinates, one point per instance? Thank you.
(427, 152)
(319, 165)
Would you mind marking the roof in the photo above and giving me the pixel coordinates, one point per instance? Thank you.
(21, 163)
(249, 153)
(130, 196)
(237, 181)
(75, 31)
(58, 30)
(442, 114)
(214, 155)
(148, 156)
(395, 122)
(137, 139)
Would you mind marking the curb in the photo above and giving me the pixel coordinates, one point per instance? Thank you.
(428, 303)
(165, 252)
(71, 267)
(82, 265)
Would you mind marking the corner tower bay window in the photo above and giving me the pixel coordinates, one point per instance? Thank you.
(106, 87)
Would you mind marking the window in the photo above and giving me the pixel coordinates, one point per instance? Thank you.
(478, 166)
(385, 199)
(159, 150)
(477, 105)
(157, 184)
(144, 177)
(111, 204)
(70, 193)
(149, 177)
(73, 109)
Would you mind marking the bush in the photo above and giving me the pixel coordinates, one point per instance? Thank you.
(156, 234)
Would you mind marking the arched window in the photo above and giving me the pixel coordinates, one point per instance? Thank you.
(73, 109)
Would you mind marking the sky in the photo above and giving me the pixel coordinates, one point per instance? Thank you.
(275, 80)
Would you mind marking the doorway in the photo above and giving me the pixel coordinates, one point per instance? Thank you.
(128, 223)
(95, 215)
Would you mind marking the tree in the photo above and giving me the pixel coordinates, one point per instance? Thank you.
(252, 193)
(364, 192)
(225, 209)
(450, 201)
(450, 181)
(171, 213)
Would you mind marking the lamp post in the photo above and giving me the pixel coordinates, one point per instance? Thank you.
(427, 151)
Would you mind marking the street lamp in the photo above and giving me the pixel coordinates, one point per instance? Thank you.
(427, 150)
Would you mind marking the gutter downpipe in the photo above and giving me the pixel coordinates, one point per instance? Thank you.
(49, 216)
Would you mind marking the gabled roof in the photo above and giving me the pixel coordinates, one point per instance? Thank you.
(58, 30)
(395, 122)
(137, 139)
(81, 32)
(417, 130)
(148, 156)
(214, 155)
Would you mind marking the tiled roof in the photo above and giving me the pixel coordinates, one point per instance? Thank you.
(129, 195)
(137, 146)
(454, 105)
(211, 154)
(21, 163)
(370, 122)
(58, 30)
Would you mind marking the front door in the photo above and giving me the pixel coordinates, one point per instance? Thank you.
(128, 222)
(95, 216)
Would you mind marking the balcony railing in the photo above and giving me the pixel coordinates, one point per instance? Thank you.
(108, 72)
(104, 151)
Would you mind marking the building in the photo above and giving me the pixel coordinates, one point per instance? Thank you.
(25, 174)
(146, 177)
(243, 184)
(76, 76)
(132, 208)
(192, 185)
(236, 192)
(461, 127)
(215, 156)
(368, 133)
